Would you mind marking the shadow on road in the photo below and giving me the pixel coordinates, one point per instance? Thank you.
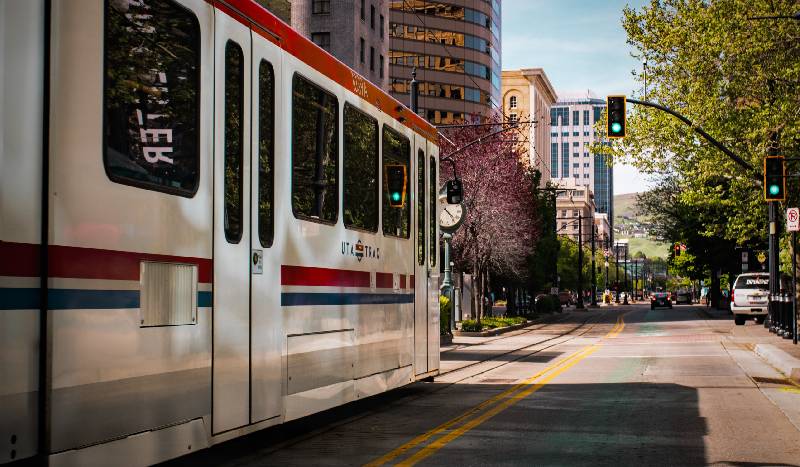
(561, 424)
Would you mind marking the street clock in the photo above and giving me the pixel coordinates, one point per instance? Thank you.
(451, 217)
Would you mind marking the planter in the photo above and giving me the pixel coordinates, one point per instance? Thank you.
(493, 332)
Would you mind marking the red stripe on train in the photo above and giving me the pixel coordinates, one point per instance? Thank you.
(383, 280)
(310, 276)
(22, 260)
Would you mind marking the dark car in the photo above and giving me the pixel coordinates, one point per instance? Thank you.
(660, 299)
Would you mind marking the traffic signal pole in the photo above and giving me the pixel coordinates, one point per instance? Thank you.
(594, 276)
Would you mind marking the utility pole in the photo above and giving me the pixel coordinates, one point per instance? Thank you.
(414, 91)
(579, 304)
(594, 275)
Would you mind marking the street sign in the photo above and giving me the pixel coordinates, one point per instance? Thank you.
(793, 220)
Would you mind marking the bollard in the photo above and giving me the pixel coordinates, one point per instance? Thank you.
(770, 321)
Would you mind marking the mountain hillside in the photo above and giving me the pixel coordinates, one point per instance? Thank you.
(628, 224)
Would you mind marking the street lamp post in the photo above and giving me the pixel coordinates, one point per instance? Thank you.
(616, 276)
(594, 275)
(579, 304)
(625, 302)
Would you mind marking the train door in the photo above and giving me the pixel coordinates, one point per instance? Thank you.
(421, 327)
(231, 314)
(266, 329)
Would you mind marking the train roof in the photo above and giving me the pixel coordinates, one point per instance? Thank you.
(266, 24)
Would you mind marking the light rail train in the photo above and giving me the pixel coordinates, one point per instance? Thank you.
(196, 237)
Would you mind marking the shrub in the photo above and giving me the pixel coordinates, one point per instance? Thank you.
(444, 315)
(470, 325)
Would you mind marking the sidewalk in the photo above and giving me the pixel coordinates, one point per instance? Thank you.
(778, 352)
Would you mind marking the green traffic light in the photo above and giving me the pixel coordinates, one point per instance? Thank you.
(616, 127)
(395, 196)
(774, 189)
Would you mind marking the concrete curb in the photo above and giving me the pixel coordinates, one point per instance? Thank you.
(781, 360)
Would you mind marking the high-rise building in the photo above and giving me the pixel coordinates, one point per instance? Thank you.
(527, 97)
(455, 47)
(280, 8)
(572, 163)
(354, 31)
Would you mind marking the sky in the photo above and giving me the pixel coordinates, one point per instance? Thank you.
(581, 46)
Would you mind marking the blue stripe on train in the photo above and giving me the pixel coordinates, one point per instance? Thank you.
(298, 299)
(68, 299)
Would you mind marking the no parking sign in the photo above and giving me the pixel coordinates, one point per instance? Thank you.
(793, 220)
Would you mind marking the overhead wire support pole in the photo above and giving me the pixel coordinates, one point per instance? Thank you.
(697, 129)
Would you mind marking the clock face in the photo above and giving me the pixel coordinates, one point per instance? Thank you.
(451, 216)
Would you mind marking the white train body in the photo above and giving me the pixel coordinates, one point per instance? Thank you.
(145, 310)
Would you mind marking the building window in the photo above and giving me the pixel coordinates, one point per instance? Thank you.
(363, 11)
(372, 16)
(372, 59)
(512, 102)
(585, 133)
(396, 151)
(362, 50)
(586, 118)
(380, 63)
(585, 154)
(554, 160)
(566, 133)
(321, 7)
(152, 139)
(585, 175)
(512, 119)
(554, 134)
(233, 141)
(575, 144)
(575, 165)
(565, 160)
(266, 151)
(575, 133)
(315, 192)
(360, 174)
(575, 154)
(575, 120)
(381, 26)
(322, 39)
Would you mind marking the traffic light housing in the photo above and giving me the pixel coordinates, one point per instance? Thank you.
(616, 117)
(455, 192)
(774, 179)
(677, 249)
(396, 182)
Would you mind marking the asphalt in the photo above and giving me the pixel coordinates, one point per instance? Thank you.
(613, 386)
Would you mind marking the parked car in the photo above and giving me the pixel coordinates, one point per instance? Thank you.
(660, 298)
(566, 298)
(750, 297)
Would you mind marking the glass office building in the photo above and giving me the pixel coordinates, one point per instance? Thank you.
(455, 48)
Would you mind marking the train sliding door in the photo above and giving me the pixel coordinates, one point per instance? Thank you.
(231, 347)
(421, 326)
(266, 330)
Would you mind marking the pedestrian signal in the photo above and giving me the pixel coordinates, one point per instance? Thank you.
(616, 116)
(774, 179)
(396, 182)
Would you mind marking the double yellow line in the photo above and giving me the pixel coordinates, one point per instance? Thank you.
(488, 409)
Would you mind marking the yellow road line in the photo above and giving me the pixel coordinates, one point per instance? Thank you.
(444, 440)
(569, 361)
(444, 426)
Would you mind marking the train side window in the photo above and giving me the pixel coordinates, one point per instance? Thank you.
(315, 165)
(420, 207)
(151, 96)
(234, 116)
(266, 153)
(396, 150)
(434, 198)
(360, 170)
